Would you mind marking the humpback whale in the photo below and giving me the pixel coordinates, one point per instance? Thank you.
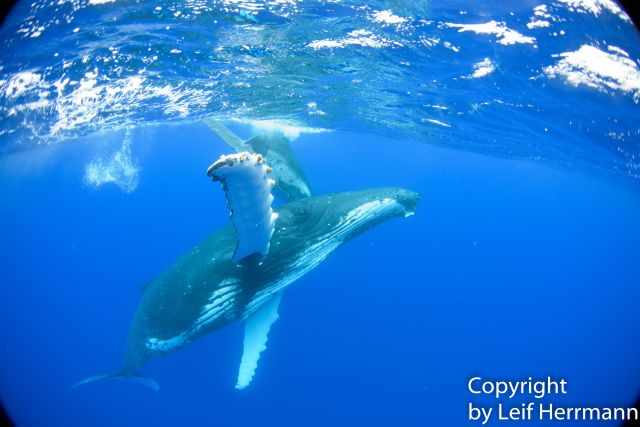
(274, 148)
(240, 272)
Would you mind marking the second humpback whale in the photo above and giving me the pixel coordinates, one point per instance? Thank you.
(274, 148)
(240, 272)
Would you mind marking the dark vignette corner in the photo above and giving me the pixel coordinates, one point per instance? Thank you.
(5, 8)
(5, 421)
(633, 423)
(632, 7)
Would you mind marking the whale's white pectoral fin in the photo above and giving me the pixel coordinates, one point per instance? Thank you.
(256, 331)
(247, 186)
(225, 134)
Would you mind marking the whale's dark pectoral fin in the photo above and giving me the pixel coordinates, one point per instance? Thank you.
(247, 186)
(138, 379)
(256, 331)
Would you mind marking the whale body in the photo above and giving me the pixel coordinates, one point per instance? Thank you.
(205, 289)
(239, 273)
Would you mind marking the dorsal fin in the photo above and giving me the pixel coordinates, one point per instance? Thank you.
(247, 186)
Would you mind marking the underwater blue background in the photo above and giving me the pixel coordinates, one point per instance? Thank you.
(521, 260)
(508, 269)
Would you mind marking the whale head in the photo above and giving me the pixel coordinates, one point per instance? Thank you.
(341, 216)
(355, 213)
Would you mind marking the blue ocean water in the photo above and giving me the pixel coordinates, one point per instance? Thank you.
(521, 259)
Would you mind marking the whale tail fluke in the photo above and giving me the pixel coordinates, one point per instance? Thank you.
(138, 379)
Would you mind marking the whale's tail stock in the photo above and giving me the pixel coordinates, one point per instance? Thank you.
(120, 376)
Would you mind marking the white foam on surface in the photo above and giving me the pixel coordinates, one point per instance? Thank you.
(594, 68)
(363, 38)
(120, 169)
(326, 44)
(596, 7)
(482, 69)
(437, 122)
(313, 110)
(429, 41)
(451, 46)
(37, 33)
(540, 18)
(387, 17)
(92, 96)
(537, 23)
(20, 83)
(541, 11)
(504, 35)
(437, 107)
(617, 50)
